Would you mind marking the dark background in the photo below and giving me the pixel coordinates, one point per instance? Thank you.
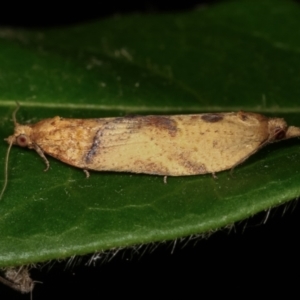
(47, 13)
(254, 257)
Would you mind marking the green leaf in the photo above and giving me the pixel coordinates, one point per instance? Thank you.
(232, 56)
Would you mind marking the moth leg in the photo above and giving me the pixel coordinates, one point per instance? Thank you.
(165, 179)
(87, 173)
(214, 175)
(42, 155)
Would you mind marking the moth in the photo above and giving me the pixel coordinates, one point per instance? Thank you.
(168, 145)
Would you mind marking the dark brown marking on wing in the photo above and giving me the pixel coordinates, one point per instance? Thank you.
(212, 118)
(161, 123)
(101, 136)
(192, 168)
(195, 168)
(242, 115)
(95, 146)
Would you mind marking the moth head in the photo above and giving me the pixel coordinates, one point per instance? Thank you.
(21, 137)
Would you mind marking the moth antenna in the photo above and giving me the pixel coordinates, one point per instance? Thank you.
(6, 169)
(15, 113)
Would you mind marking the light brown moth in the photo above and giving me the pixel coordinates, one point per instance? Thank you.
(175, 145)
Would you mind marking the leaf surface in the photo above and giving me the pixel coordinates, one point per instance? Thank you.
(232, 56)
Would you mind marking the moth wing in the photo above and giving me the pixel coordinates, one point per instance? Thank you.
(132, 144)
(165, 145)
